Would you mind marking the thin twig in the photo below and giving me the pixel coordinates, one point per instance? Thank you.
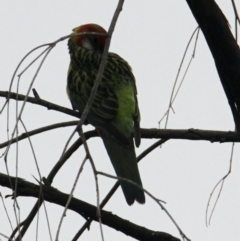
(48, 45)
(14, 74)
(32, 149)
(47, 218)
(39, 130)
(96, 179)
(5, 236)
(24, 103)
(4, 206)
(39, 173)
(70, 197)
(4, 105)
(189, 63)
(172, 97)
(235, 11)
(221, 183)
(47, 50)
(237, 20)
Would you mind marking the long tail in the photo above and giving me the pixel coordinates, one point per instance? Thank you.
(124, 161)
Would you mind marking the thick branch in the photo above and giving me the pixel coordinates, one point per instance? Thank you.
(223, 47)
(187, 134)
(52, 195)
(191, 134)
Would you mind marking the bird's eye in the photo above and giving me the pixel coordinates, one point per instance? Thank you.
(95, 42)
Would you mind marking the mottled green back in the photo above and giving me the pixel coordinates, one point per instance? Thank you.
(115, 105)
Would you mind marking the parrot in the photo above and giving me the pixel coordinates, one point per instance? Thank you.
(114, 111)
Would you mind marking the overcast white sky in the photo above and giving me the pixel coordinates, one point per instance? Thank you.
(151, 36)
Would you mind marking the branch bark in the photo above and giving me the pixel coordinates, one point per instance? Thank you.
(38, 131)
(224, 49)
(187, 134)
(37, 101)
(191, 134)
(50, 194)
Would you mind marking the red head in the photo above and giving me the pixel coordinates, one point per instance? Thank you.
(91, 41)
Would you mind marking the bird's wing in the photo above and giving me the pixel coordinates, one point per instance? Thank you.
(105, 104)
(121, 67)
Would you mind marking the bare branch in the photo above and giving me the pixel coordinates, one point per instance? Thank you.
(70, 196)
(52, 195)
(174, 93)
(49, 105)
(39, 130)
(5, 209)
(219, 183)
(191, 134)
(154, 133)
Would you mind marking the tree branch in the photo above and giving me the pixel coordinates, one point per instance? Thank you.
(25, 188)
(41, 102)
(154, 133)
(224, 49)
(191, 134)
(37, 131)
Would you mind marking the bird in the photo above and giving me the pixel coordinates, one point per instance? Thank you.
(114, 111)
